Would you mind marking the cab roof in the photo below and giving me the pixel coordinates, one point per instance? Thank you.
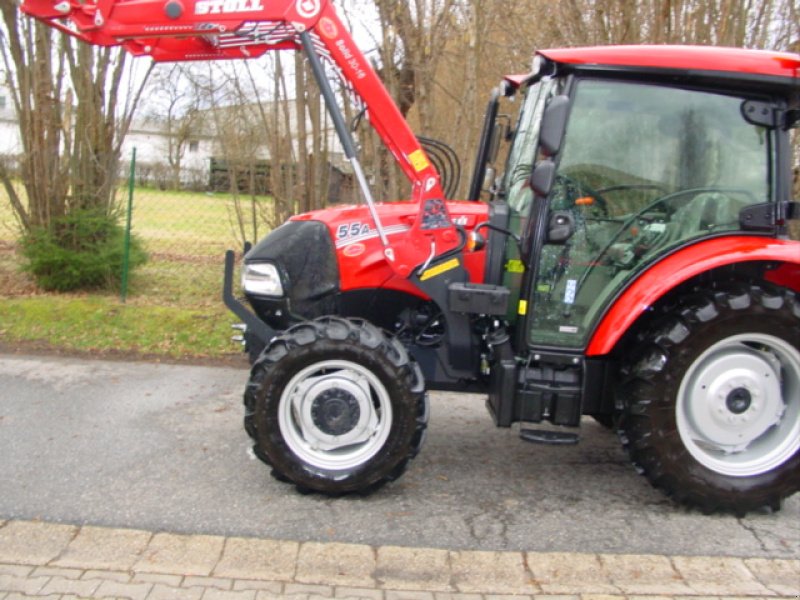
(683, 58)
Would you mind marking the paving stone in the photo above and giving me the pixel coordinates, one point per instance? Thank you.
(20, 596)
(181, 554)
(62, 585)
(358, 593)
(215, 594)
(558, 597)
(219, 583)
(104, 548)
(131, 591)
(33, 543)
(779, 575)
(266, 595)
(569, 573)
(491, 573)
(457, 596)
(168, 592)
(644, 574)
(747, 597)
(57, 572)
(408, 595)
(718, 576)
(300, 589)
(336, 564)
(173, 580)
(258, 559)
(24, 585)
(118, 576)
(274, 587)
(413, 569)
(16, 570)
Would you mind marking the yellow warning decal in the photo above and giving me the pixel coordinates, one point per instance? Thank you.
(439, 269)
(523, 307)
(418, 160)
(515, 266)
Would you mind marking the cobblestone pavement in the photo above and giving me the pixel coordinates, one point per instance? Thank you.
(56, 561)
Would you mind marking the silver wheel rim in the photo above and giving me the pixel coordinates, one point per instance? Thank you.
(738, 406)
(335, 415)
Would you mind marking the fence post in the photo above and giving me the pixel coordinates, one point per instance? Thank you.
(127, 249)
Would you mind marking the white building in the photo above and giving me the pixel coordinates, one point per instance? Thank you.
(153, 146)
(10, 141)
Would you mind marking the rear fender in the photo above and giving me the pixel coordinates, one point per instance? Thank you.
(681, 266)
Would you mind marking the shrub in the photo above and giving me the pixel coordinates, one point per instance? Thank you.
(84, 250)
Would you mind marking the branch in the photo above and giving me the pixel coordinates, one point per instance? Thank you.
(16, 202)
(131, 109)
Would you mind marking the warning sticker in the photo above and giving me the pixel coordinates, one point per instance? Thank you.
(571, 290)
(439, 269)
(515, 266)
(418, 160)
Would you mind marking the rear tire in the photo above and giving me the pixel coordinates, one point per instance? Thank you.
(336, 406)
(711, 408)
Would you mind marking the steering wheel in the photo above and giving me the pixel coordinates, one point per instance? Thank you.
(634, 186)
(688, 193)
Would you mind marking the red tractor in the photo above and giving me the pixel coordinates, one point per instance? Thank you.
(632, 262)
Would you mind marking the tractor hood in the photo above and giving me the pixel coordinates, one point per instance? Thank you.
(334, 250)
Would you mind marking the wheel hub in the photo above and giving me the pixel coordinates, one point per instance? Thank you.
(738, 405)
(736, 397)
(335, 414)
(739, 400)
(335, 411)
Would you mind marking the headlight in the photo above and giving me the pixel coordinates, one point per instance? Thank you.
(261, 279)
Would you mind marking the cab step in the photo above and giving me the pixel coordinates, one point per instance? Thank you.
(548, 436)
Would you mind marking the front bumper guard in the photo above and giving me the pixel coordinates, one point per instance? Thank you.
(254, 326)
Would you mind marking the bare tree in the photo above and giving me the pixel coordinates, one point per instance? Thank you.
(741, 23)
(74, 110)
(175, 107)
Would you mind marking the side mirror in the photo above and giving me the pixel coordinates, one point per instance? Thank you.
(560, 227)
(543, 177)
(554, 125)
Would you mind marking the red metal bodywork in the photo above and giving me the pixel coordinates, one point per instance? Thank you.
(359, 252)
(696, 58)
(682, 266)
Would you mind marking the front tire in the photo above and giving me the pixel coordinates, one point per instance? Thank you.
(336, 406)
(711, 409)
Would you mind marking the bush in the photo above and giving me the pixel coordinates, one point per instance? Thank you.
(84, 250)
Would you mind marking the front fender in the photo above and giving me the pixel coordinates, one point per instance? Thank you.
(681, 266)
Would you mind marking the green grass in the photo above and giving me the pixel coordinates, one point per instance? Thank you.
(174, 308)
(192, 224)
(101, 325)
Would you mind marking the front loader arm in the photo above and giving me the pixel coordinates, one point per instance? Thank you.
(192, 30)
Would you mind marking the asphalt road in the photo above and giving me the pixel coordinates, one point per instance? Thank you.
(161, 447)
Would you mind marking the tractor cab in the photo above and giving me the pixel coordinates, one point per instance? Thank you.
(611, 170)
